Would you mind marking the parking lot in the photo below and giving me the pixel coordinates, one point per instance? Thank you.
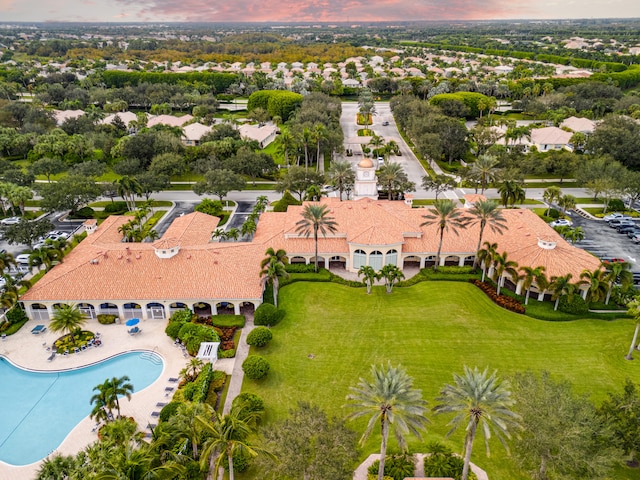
(604, 241)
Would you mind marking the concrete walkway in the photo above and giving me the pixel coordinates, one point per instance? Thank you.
(237, 375)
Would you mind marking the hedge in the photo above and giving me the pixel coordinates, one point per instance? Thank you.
(225, 321)
(281, 103)
(202, 383)
(218, 81)
(168, 411)
(267, 314)
(106, 319)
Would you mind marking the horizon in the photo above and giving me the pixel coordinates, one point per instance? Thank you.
(315, 12)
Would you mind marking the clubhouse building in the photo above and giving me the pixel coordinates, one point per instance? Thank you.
(185, 268)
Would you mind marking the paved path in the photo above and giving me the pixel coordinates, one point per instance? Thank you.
(237, 376)
(362, 470)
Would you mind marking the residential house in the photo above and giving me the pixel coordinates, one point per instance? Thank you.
(192, 133)
(550, 138)
(264, 134)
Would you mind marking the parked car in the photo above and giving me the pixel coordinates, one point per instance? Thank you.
(58, 236)
(616, 222)
(632, 233)
(22, 258)
(614, 215)
(612, 260)
(626, 228)
(10, 221)
(561, 222)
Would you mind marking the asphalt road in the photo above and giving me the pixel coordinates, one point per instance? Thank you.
(604, 241)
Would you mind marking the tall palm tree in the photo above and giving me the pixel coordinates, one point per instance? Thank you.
(391, 274)
(19, 196)
(286, 144)
(67, 318)
(479, 400)
(119, 387)
(485, 170)
(128, 187)
(6, 261)
(504, 266)
(272, 272)
(342, 176)
(320, 135)
(446, 216)
(392, 401)
(633, 309)
(44, 256)
(185, 426)
(618, 272)
(101, 401)
(315, 218)
(486, 212)
(369, 275)
(391, 177)
(598, 284)
(551, 194)
(306, 138)
(511, 192)
(228, 434)
(486, 255)
(567, 202)
(531, 275)
(560, 286)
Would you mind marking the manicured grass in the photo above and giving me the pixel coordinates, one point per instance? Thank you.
(549, 184)
(331, 335)
(530, 201)
(589, 200)
(154, 203)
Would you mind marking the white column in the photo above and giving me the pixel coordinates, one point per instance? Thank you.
(583, 294)
(214, 308)
(541, 295)
(519, 287)
(236, 308)
(461, 260)
(422, 262)
(326, 263)
(442, 260)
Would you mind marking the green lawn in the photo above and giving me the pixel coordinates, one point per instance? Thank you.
(332, 334)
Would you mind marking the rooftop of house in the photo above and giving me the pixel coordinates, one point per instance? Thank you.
(550, 136)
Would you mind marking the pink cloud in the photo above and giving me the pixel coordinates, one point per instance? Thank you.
(327, 10)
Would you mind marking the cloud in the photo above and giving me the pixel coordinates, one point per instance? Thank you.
(326, 10)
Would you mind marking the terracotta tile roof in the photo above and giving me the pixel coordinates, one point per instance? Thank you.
(193, 229)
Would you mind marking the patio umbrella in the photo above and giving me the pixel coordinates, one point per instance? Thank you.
(132, 322)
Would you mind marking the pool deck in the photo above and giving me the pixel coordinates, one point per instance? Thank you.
(26, 350)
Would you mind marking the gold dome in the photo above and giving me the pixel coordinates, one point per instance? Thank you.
(365, 163)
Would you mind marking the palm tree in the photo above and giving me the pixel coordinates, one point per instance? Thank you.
(272, 272)
(486, 255)
(529, 276)
(285, 144)
(128, 187)
(391, 176)
(391, 274)
(478, 400)
(598, 283)
(618, 272)
(185, 426)
(511, 192)
(315, 218)
(6, 260)
(486, 212)
(193, 368)
(19, 196)
(341, 176)
(102, 402)
(320, 134)
(306, 137)
(484, 169)
(560, 286)
(44, 256)
(119, 387)
(228, 434)
(550, 195)
(67, 318)
(280, 255)
(633, 309)
(504, 266)
(369, 275)
(445, 215)
(392, 401)
(567, 202)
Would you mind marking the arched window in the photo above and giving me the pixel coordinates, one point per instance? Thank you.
(375, 260)
(359, 259)
(391, 257)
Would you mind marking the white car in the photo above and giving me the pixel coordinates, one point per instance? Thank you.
(561, 222)
(10, 221)
(22, 258)
(614, 216)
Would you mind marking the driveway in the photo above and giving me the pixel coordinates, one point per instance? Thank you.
(408, 160)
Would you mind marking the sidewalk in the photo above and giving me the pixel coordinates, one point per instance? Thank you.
(237, 375)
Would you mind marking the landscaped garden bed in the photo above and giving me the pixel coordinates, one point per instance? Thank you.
(502, 300)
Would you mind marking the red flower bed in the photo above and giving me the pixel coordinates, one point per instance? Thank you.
(502, 300)
(226, 337)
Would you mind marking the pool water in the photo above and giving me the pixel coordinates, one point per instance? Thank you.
(38, 409)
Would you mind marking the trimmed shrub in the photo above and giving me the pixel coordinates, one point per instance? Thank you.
(210, 207)
(84, 212)
(116, 207)
(259, 337)
(349, 283)
(251, 402)
(267, 314)
(286, 200)
(397, 467)
(225, 321)
(218, 380)
(554, 213)
(106, 319)
(617, 205)
(189, 391)
(205, 377)
(576, 305)
(227, 353)
(300, 268)
(255, 367)
(168, 411)
(16, 315)
(193, 335)
(184, 315)
(173, 329)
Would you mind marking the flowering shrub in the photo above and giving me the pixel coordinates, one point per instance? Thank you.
(502, 300)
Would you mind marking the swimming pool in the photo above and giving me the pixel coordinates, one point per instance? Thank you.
(39, 409)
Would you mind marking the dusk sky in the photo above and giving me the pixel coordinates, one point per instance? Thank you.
(308, 10)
